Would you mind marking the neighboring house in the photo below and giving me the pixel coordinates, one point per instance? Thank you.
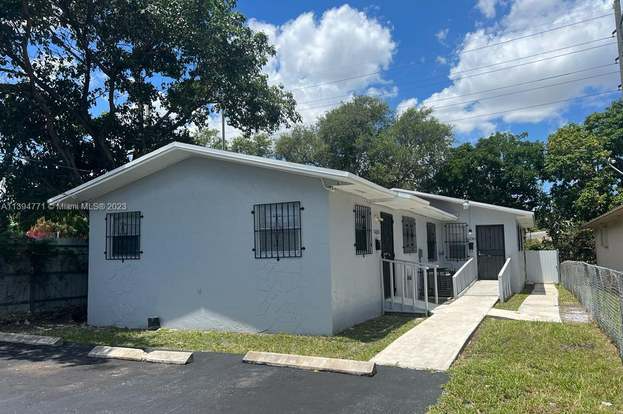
(608, 231)
(208, 239)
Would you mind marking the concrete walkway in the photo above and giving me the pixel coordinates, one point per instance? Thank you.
(436, 342)
(541, 305)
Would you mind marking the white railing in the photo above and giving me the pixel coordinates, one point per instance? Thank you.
(504, 281)
(464, 277)
(404, 287)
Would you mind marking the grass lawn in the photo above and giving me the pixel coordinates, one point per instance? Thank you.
(535, 367)
(514, 301)
(565, 297)
(360, 342)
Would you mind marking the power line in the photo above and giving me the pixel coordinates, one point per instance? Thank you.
(482, 67)
(527, 63)
(463, 51)
(26, 159)
(535, 34)
(522, 91)
(532, 106)
(491, 89)
(524, 83)
(546, 52)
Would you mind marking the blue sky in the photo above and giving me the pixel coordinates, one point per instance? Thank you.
(405, 52)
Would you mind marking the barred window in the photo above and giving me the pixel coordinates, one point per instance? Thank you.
(456, 241)
(431, 241)
(363, 230)
(277, 228)
(409, 239)
(123, 236)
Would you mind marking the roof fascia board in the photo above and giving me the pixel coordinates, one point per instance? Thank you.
(460, 201)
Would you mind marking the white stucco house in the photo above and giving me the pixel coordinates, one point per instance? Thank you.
(608, 232)
(208, 239)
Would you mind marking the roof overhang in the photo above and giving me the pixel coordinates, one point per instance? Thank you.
(524, 218)
(176, 152)
(612, 215)
(416, 205)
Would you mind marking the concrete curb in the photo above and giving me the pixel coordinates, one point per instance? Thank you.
(342, 366)
(135, 354)
(30, 339)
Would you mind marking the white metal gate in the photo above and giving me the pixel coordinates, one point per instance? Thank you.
(542, 266)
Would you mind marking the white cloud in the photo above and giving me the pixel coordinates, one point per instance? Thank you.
(405, 105)
(312, 53)
(442, 35)
(487, 7)
(463, 98)
(441, 60)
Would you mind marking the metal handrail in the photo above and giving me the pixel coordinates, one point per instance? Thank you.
(402, 268)
(462, 279)
(504, 282)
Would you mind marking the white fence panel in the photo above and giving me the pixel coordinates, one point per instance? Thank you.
(542, 266)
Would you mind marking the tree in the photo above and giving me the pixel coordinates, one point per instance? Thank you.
(260, 145)
(303, 145)
(583, 187)
(208, 137)
(350, 130)
(503, 169)
(82, 84)
(411, 151)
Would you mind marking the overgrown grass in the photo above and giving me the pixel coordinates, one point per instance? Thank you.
(535, 367)
(515, 301)
(565, 297)
(360, 342)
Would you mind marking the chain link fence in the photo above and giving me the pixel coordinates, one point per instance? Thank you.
(600, 290)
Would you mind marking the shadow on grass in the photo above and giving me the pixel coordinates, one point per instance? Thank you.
(376, 329)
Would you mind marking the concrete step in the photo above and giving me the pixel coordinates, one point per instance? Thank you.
(30, 339)
(135, 354)
(342, 366)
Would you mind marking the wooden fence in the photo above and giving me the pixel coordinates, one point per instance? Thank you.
(52, 279)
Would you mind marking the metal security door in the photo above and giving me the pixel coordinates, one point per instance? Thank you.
(490, 248)
(387, 250)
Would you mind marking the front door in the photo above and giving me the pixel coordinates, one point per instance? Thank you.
(387, 250)
(490, 249)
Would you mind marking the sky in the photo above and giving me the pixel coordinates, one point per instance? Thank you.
(476, 63)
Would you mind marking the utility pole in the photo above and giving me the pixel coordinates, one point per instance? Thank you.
(618, 25)
(223, 125)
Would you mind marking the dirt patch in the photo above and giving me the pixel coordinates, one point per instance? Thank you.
(574, 314)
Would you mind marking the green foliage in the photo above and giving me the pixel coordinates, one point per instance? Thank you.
(411, 151)
(85, 83)
(350, 131)
(260, 145)
(365, 138)
(576, 165)
(502, 169)
(538, 245)
(303, 145)
(583, 186)
(208, 137)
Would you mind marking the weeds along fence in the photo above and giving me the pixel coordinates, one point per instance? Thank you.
(44, 279)
(600, 290)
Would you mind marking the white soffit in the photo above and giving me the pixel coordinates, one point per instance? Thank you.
(416, 205)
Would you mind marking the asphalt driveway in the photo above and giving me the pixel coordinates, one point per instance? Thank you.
(63, 379)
